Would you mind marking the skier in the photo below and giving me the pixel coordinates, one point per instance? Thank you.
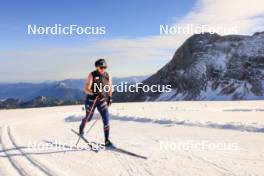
(96, 97)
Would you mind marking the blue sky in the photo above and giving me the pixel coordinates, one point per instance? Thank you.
(135, 18)
(132, 44)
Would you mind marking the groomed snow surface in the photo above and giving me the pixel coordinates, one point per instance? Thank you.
(178, 138)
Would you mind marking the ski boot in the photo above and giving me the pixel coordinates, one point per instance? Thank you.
(108, 143)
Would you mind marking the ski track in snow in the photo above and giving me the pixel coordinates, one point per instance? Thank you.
(129, 165)
(19, 164)
(222, 170)
(126, 162)
(17, 161)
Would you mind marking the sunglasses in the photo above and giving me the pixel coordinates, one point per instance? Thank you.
(102, 68)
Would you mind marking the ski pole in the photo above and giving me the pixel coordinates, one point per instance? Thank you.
(92, 125)
(90, 113)
(88, 116)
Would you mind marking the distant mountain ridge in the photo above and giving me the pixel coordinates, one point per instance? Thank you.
(39, 101)
(66, 90)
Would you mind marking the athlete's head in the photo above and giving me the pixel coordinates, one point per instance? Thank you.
(100, 65)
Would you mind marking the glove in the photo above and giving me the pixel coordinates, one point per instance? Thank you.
(100, 95)
(109, 101)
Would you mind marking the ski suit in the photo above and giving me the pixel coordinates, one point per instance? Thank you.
(100, 104)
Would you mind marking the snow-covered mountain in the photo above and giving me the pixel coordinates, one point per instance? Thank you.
(212, 67)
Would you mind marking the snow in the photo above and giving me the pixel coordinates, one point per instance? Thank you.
(157, 130)
(252, 47)
(165, 96)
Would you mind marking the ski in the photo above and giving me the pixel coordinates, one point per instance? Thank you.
(90, 144)
(120, 150)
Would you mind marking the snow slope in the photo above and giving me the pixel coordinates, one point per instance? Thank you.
(142, 128)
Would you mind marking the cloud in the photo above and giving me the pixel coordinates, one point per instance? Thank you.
(245, 15)
(132, 56)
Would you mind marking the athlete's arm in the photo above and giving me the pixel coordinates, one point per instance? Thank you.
(88, 85)
(109, 101)
(110, 85)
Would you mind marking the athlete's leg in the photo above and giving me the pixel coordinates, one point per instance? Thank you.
(103, 110)
(89, 102)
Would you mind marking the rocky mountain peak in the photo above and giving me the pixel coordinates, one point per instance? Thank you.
(212, 67)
